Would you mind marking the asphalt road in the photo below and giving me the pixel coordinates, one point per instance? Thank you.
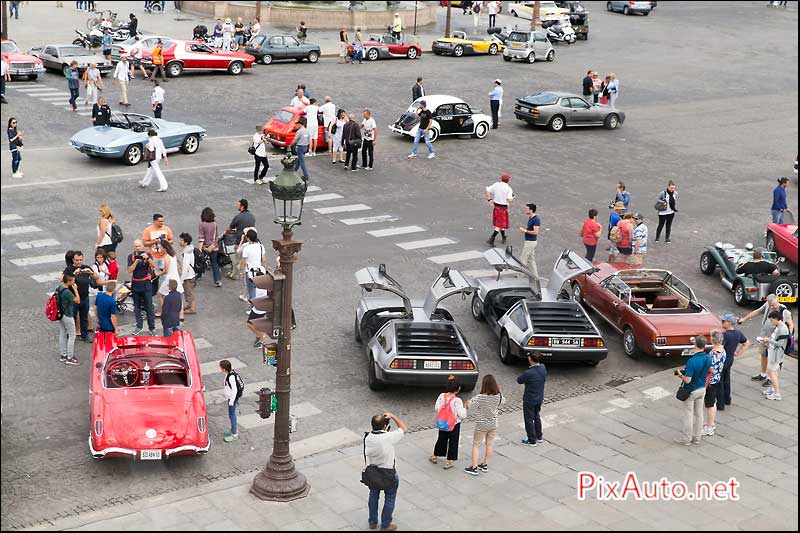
(708, 103)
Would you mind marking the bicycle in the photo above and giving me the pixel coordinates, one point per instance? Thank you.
(98, 17)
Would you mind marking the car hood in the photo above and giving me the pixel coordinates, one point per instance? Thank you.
(149, 424)
(105, 135)
(678, 325)
(20, 58)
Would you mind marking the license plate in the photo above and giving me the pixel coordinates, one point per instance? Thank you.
(150, 455)
(432, 365)
(787, 298)
(516, 45)
(688, 352)
(565, 342)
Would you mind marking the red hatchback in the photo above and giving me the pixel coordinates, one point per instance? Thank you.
(146, 398)
(280, 129)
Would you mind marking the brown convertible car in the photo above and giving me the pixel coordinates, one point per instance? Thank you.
(656, 312)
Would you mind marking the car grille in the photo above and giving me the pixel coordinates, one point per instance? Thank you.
(428, 339)
(23, 65)
(554, 318)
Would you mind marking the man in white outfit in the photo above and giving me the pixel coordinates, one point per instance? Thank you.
(155, 146)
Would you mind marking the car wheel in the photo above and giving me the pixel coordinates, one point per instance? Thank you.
(438, 53)
(266, 59)
(174, 69)
(32, 77)
(629, 344)
(412, 53)
(133, 155)
(626, 11)
(234, 46)
(374, 383)
(372, 54)
(357, 330)
(551, 55)
(514, 13)
(458, 51)
(577, 293)
(481, 130)
(771, 242)
(236, 68)
(739, 294)
(434, 135)
(504, 349)
(612, 121)
(313, 57)
(609, 7)
(492, 49)
(506, 58)
(781, 288)
(190, 144)
(477, 309)
(557, 123)
(645, 13)
(707, 264)
(155, 7)
(531, 58)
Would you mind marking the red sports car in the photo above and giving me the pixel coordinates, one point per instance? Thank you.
(656, 313)
(280, 128)
(146, 398)
(782, 238)
(196, 55)
(387, 46)
(19, 63)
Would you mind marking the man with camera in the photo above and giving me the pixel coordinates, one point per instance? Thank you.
(141, 267)
(379, 452)
(84, 275)
(693, 380)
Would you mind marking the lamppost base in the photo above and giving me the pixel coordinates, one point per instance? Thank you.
(276, 488)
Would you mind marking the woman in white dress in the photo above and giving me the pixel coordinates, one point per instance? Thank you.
(341, 120)
(171, 271)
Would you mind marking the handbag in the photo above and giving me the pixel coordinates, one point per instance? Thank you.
(333, 129)
(683, 393)
(661, 202)
(251, 150)
(376, 477)
(353, 144)
(149, 155)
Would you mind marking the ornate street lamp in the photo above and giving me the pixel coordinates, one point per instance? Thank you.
(280, 481)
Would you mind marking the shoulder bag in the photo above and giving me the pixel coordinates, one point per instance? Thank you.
(375, 477)
(149, 155)
(661, 201)
(683, 393)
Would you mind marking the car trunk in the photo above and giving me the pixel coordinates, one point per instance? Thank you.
(559, 318)
(407, 121)
(168, 414)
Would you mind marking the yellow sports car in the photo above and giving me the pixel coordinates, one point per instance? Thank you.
(459, 44)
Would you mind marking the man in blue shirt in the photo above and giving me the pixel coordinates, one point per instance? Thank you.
(495, 100)
(533, 379)
(694, 380)
(105, 308)
(735, 343)
(531, 232)
(779, 200)
(141, 267)
(171, 309)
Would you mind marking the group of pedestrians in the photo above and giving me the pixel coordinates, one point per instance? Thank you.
(601, 90)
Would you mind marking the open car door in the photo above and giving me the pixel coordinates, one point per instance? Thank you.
(371, 278)
(505, 260)
(450, 282)
(568, 266)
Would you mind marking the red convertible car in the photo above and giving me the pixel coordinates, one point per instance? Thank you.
(196, 55)
(280, 128)
(146, 398)
(656, 313)
(386, 46)
(782, 238)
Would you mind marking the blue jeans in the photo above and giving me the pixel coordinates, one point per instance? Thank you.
(232, 416)
(13, 9)
(777, 216)
(301, 150)
(533, 422)
(16, 159)
(168, 331)
(74, 93)
(420, 134)
(388, 505)
(82, 310)
(251, 288)
(144, 297)
(216, 271)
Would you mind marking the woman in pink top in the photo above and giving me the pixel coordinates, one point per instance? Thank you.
(625, 246)
(207, 241)
(590, 232)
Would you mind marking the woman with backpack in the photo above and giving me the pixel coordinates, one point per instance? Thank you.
(104, 231)
(234, 387)
(484, 407)
(665, 205)
(450, 411)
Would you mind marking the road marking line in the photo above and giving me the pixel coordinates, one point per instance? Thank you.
(427, 243)
(369, 220)
(212, 367)
(342, 209)
(201, 343)
(85, 113)
(454, 258)
(313, 188)
(215, 397)
(607, 410)
(37, 244)
(33, 89)
(622, 403)
(254, 420)
(240, 169)
(39, 260)
(9, 218)
(20, 229)
(325, 441)
(656, 393)
(395, 231)
(50, 95)
(322, 197)
(45, 278)
(55, 98)
(100, 178)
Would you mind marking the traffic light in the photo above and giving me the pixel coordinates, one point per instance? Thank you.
(267, 402)
(272, 304)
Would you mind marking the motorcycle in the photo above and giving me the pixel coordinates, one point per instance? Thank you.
(560, 31)
(93, 40)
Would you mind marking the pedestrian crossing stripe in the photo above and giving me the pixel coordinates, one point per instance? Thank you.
(454, 258)
(217, 397)
(427, 243)
(200, 343)
(39, 260)
(254, 420)
(33, 89)
(10, 217)
(37, 244)
(325, 441)
(369, 220)
(388, 232)
(45, 278)
(342, 209)
(17, 230)
(49, 94)
(212, 367)
(322, 197)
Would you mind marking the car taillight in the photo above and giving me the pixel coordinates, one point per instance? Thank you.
(752, 289)
(98, 427)
(461, 365)
(593, 343)
(402, 363)
(631, 2)
(201, 424)
(661, 341)
(539, 341)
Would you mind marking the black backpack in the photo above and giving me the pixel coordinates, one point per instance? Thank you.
(239, 384)
(116, 234)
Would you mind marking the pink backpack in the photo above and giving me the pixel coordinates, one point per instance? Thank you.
(446, 418)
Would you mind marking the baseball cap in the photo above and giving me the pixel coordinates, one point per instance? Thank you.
(498, 81)
(638, 216)
(422, 102)
(728, 317)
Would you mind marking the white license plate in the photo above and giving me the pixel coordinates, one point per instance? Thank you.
(432, 365)
(565, 342)
(687, 353)
(150, 455)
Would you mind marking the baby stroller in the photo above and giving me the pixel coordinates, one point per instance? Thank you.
(124, 299)
(227, 252)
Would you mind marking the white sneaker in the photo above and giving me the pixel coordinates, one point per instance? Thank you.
(242, 298)
(708, 431)
(767, 391)
(259, 182)
(16, 175)
(774, 396)
(431, 155)
(412, 156)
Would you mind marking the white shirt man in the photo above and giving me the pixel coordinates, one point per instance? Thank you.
(299, 100)
(500, 193)
(123, 72)
(158, 95)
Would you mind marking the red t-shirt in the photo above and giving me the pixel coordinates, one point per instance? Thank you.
(624, 225)
(589, 231)
(113, 269)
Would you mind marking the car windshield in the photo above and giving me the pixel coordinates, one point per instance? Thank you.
(284, 117)
(644, 275)
(9, 47)
(519, 36)
(74, 51)
(141, 120)
(542, 99)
